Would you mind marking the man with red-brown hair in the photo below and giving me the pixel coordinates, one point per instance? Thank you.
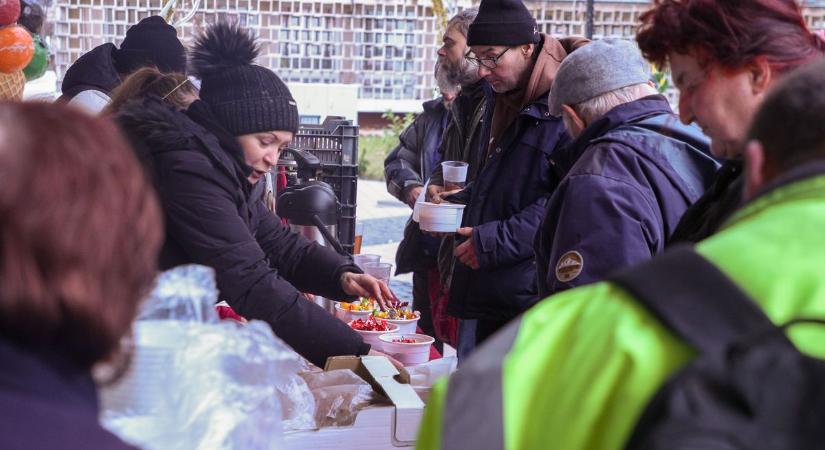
(724, 57)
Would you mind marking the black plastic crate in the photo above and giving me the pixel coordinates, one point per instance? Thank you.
(344, 182)
(334, 142)
(346, 227)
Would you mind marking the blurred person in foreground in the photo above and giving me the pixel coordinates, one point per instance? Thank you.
(724, 57)
(79, 239)
(207, 163)
(577, 370)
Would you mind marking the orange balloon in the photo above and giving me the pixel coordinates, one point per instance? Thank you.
(16, 48)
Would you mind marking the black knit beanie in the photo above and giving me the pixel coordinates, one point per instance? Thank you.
(503, 22)
(151, 42)
(245, 98)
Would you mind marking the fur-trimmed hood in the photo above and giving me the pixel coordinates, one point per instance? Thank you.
(154, 127)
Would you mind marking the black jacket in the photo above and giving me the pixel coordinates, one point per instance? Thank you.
(413, 159)
(720, 201)
(48, 403)
(409, 165)
(215, 217)
(95, 70)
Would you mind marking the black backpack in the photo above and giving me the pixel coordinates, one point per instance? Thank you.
(748, 389)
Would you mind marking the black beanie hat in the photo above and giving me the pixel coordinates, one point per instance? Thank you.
(151, 42)
(503, 22)
(246, 98)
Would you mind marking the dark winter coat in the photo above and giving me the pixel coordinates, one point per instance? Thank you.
(460, 142)
(408, 166)
(215, 217)
(720, 201)
(506, 202)
(95, 71)
(629, 178)
(48, 403)
(413, 159)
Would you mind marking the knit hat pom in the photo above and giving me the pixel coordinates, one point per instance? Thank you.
(222, 46)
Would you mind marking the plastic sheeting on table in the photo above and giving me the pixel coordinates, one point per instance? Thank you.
(200, 383)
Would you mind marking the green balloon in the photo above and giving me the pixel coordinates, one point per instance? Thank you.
(40, 61)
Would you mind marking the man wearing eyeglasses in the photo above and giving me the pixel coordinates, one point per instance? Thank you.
(494, 279)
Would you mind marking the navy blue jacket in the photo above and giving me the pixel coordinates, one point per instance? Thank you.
(629, 177)
(48, 402)
(506, 202)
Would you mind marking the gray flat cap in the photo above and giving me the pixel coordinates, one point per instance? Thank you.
(597, 68)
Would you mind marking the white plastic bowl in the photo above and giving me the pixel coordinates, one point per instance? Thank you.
(372, 337)
(407, 354)
(347, 316)
(441, 217)
(406, 326)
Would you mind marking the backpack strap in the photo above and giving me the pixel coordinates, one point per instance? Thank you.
(693, 298)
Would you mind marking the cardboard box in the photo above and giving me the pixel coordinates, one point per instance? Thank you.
(376, 427)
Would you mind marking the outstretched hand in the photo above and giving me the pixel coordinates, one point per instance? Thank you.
(363, 285)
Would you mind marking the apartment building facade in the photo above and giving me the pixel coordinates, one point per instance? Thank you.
(383, 50)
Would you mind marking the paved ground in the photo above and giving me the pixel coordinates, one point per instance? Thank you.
(384, 218)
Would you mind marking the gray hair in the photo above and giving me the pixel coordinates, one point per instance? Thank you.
(592, 109)
(463, 19)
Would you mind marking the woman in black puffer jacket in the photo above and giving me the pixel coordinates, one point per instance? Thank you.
(206, 163)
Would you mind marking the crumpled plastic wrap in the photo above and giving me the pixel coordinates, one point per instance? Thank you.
(339, 395)
(196, 382)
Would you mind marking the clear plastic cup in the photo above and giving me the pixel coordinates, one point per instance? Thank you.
(455, 174)
(362, 260)
(380, 270)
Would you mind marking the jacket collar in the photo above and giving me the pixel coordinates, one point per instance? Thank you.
(797, 182)
(200, 112)
(626, 113)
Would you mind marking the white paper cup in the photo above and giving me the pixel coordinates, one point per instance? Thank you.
(372, 337)
(348, 316)
(454, 171)
(407, 354)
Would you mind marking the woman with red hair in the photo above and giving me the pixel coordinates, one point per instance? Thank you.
(80, 231)
(724, 57)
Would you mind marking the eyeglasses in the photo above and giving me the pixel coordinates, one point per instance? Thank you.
(490, 63)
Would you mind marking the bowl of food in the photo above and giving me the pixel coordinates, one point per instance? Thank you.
(408, 349)
(406, 319)
(360, 309)
(371, 329)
